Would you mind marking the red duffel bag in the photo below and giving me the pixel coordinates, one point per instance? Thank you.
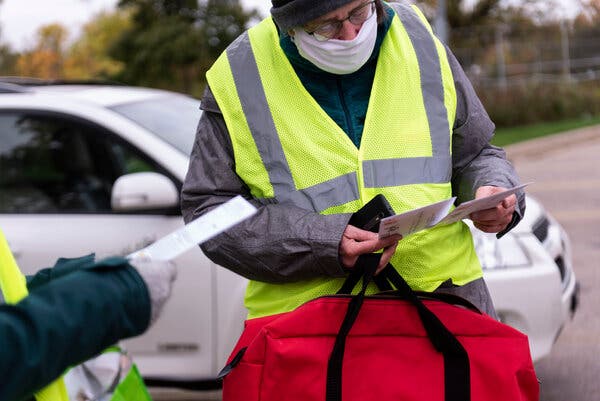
(393, 346)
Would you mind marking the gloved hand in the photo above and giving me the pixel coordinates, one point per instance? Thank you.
(158, 277)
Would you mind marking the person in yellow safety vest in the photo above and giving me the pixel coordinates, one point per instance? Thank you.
(72, 313)
(310, 114)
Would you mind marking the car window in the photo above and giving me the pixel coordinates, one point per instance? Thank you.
(172, 117)
(53, 164)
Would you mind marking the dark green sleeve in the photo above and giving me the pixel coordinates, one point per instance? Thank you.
(68, 320)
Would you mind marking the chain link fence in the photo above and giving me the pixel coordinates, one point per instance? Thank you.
(527, 75)
(498, 56)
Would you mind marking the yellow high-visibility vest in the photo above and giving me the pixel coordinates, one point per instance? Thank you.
(289, 150)
(14, 289)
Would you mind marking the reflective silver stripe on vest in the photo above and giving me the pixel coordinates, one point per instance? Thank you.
(256, 109)
(334, 192)
(340, 190)
(405, 171)
(436, 169)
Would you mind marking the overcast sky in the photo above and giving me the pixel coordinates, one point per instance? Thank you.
(20, 19)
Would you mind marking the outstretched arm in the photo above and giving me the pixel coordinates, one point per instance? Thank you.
(73, 318)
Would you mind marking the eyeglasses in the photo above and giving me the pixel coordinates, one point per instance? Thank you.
(331, 29)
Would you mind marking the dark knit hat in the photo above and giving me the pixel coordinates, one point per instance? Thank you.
(288, 14)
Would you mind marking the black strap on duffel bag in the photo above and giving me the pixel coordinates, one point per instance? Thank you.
(457, 386)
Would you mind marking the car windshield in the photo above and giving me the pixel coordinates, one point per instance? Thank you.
(173, 118)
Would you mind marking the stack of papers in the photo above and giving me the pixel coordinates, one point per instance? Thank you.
(437, 213)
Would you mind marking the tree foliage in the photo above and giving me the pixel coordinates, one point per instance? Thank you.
(46, 59)
(159, 43)
(88, 56)
(8, 58)
(51, 57)
(172, 43)
(589, 16)
(591, 10)
(459, 15)
(586, 31)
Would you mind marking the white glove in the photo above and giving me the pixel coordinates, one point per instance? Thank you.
(158, 277)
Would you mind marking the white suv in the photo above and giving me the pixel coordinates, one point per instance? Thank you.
(62, 149)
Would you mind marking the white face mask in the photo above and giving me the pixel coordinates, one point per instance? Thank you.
(338, 56)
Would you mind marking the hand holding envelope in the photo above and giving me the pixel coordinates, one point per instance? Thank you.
(437, 213)
(496, 218)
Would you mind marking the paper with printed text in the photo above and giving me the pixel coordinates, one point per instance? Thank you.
(437, 213)
(203, 228)
(415, 220)
(463, 210)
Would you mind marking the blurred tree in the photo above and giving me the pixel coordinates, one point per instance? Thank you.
(590, 13)
(586, 33)
(221, 22)
(172, 43)
(88, 56)
(459, 15)
(8, 59)
(47, 57)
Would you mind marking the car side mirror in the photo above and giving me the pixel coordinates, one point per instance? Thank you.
(143, 191)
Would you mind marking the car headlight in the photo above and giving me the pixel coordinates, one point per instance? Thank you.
(506, 252)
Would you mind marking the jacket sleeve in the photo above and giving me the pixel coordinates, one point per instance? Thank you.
(280, 243)
(475, 161)
(66, 321)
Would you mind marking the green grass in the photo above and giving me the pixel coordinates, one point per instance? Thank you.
(506, 136)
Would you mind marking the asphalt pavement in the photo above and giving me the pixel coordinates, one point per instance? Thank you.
(565, 169)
